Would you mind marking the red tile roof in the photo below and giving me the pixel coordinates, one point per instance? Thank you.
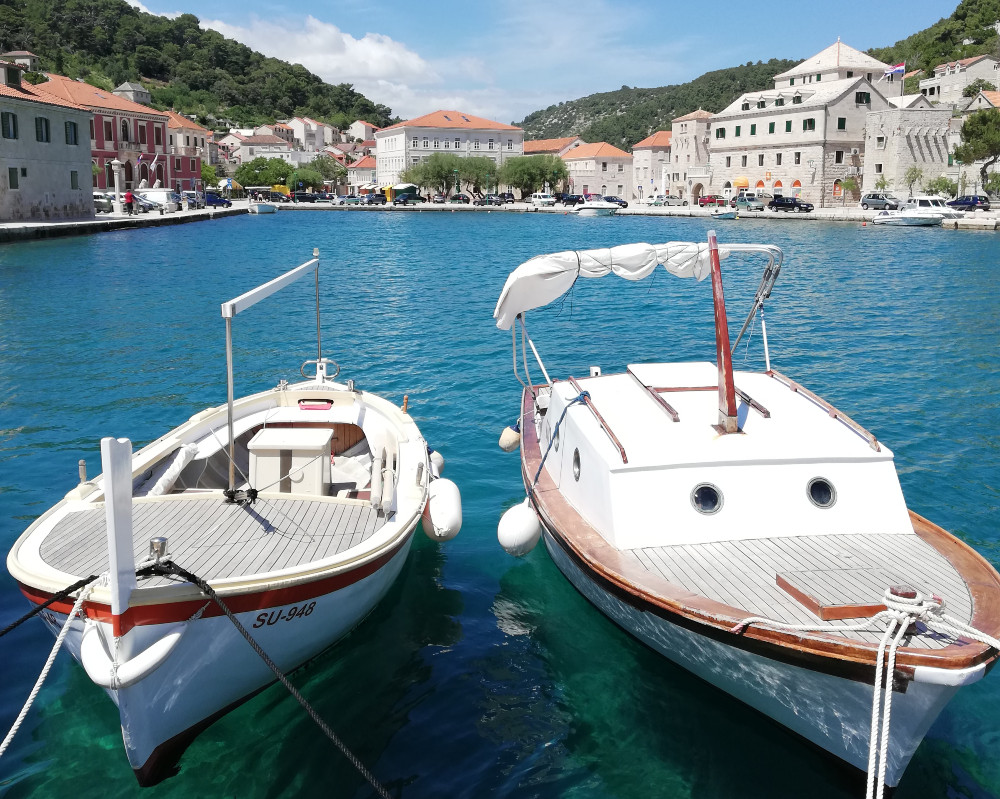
(37, 94)
(452, 119)
(659, 139)
(369, 124)
(993, 98)
(599, 149)
(368, 162)
(962, 62)
(175, 120)
(699, 114)
(264, 138)
(537, 146)
(90, 96)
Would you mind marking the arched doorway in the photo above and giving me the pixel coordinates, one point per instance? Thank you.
(838, 189)
(159, 174)
(697, 190)
(759, 186)
(128, 175)
(796, 188)
(777, 188)
(727, 189)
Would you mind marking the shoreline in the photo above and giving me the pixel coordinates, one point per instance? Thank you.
(29, 231)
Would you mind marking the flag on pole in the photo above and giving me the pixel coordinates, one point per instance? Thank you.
(891, 72)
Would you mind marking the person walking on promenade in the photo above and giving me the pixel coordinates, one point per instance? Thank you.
(128, 202)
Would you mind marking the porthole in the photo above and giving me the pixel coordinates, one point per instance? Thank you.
(576, 465)
(706, 498)
(821, 492)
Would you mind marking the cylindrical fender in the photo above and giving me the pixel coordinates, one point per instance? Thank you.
(442, 516)
(97, 661)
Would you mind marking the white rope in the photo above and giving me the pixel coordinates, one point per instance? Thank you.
(900, 613)
(45, 670)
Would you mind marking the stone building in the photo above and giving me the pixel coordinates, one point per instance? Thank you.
(599, 168)
(651, 165)
(897, 139)
(689, 149)
(950, 79)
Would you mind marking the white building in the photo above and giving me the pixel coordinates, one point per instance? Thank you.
(45, 162)
(361, 177)
(552, 146)
(361, 130)
(401, 146)
(651, 165)
(950, 79)
(599, 168)
(689, 151)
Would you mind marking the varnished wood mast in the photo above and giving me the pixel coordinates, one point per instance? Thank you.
(626, 579)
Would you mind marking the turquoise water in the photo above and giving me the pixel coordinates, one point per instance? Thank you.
(481, 675)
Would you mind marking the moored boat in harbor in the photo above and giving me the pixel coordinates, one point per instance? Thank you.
(278, 520)
(743, 527)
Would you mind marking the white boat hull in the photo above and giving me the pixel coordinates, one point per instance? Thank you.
(907, 220)
(263, 208)
(213, 668)
(832, 712)
(585, 211)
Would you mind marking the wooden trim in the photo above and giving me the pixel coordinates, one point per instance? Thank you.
(607, 429)
(827, 652)
(723, 349)
(827, 612)
(834, 413)
(655, 395)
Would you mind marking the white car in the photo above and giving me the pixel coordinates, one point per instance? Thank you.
(540, 198)
(667, 199)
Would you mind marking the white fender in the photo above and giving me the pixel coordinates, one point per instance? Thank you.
(519, 529)
(442, 516)
(98, 663)
(510, 438)
(437, 463)
(376, 489)
(388, 489)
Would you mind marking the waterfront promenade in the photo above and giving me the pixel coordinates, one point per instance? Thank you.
(25, 231)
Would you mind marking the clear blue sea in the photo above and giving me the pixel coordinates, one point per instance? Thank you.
(481, 675)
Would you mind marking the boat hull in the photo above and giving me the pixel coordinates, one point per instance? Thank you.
(831, 711)
(213, 668)
(262, 208)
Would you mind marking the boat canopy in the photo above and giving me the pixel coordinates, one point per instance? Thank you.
(547, 277)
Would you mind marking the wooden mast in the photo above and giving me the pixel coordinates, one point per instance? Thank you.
(724, 354)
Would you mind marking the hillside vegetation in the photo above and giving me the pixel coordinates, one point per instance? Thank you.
(194, 71)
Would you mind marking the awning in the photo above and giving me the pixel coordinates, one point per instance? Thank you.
(367, 187)
(547, 277)
(741, 182)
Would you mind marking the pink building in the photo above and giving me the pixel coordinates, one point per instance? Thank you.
(186, 141)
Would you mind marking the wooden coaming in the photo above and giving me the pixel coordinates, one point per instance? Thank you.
(624, 576)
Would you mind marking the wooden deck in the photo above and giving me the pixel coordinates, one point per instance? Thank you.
(216, 540)
(844, 569)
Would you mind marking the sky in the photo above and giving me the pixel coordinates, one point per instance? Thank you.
(502, 60)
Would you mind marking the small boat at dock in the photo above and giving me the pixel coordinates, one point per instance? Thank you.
(596, 205)
(261, 207)
(278, 520)
(743, 527)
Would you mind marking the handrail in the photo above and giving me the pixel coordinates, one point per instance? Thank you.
(774, 259)
(655, 395)
(834, 413)
(590, 404)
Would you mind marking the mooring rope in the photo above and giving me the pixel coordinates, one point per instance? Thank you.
(583, 396)
(903, 608)
(52, 599)
(48, 664)
(165, 568)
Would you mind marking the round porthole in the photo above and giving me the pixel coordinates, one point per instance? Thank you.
(821, 492)
(706, 498)
(576, 465)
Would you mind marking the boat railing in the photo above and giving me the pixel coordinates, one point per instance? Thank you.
(600, 419)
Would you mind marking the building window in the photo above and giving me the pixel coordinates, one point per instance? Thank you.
(745, 107)
(457, 143)
(729, 161)
(760, 160)
(142, 133)
(788, 126)
(74, 179)
(770, 127)
(490, 144)
(838, 157)
(8, 125)
(194, 166)
(850, 74)
(42, 129)
(604, 166)
(880, 142)
(71, 135)
(475, 144)
(124, 131)
(416, 142)
(743, 160)
(777, 159)
(12, 177)
(720, 133)
(791, 81)
(92, 130)
(819, 78)
(798, 158)
(510, 144)
(177, 162)
(621, 167)
(878, 169)
(869, 76)
(780, 101)
(809, 124)
(862, 98)
(737, 130)
(760, 103)
(753, 130)
(797, 99)
(13, 77)
(415, 159)
(425, 142)
(841, 123)
(447, 144)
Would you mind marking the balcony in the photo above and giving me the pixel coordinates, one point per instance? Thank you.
(191, 152)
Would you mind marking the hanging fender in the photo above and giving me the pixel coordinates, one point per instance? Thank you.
(98, 663)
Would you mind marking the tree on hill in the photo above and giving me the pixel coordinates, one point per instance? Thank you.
(980, 141)
(978, 85)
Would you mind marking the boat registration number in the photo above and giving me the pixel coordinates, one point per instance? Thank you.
(294, 612)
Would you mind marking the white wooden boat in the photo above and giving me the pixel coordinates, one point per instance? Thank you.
(723, 213)
(261, 207)
(596, 207)
(744, 528)
(296, 506)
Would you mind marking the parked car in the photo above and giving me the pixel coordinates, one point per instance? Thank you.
(440, 199)
(616, 200)
(326, 196)
(305, 197)
(506, 196)
(373, 199)
(749, 202)
(169, 199)
(669, 199)
(348, 199)
(144, 205)
(541, 198)
(711, 199)
(195, 199)
(879, 201)
(789, 204)
(408, 198)
(572, 199)
(489, 199)
(103, 204)
(970, 202)
(216, 200)
(460, 198)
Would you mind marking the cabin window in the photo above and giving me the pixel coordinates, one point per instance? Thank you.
(706, 498)
(821, 492)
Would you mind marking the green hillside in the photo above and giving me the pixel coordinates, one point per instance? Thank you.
(194, 71)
